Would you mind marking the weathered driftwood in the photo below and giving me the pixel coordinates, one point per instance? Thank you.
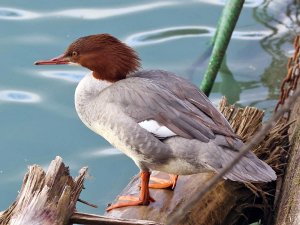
(45, 198)
(90, 219)
(228, 202)
(50, 199)
(288, 208)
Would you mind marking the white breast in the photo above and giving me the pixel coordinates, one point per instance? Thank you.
(87, 90)
(157, 129)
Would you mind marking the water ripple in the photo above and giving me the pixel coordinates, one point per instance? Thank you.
(100, 13)
(88, 13)
(102, 153)
(34, 39)
(71, 76)
(19, 96)
(91, 14)
(248, 3)
(17, 14)
(167, 34)
(251, 96)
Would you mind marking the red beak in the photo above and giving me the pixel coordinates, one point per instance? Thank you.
(62, 59)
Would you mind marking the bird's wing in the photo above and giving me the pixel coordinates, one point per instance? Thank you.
(186, 91)
(170, 101)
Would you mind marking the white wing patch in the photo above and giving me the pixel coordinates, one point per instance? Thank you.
(157, 129)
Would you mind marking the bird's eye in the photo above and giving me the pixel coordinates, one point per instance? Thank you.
(74, 53)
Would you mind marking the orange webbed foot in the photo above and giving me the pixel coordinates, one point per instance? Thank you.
(133, 198)
(143, 199)
(164, 183)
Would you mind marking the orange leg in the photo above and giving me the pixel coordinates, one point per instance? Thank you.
(144, 198)
(163, 183)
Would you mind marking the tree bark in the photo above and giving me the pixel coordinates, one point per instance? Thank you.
(288, 208)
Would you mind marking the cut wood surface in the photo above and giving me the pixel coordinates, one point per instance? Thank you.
(288, 209)
(224, 204)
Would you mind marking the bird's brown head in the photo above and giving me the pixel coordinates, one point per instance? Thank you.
(108, 58)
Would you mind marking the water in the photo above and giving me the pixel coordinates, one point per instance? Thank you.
(37, 115)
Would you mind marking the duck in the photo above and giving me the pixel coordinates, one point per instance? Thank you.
(160, 120)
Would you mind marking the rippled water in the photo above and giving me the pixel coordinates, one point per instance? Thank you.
(38, 120)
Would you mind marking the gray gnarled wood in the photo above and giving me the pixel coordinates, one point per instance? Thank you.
(45, 198)
(83, 218)
(50, 199)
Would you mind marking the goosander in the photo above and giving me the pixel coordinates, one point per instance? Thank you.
(160, 120)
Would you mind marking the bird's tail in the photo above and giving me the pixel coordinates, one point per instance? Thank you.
(250, 169)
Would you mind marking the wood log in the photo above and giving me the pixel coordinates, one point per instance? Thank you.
(229, 202)
(167, 201)
(288, 208)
